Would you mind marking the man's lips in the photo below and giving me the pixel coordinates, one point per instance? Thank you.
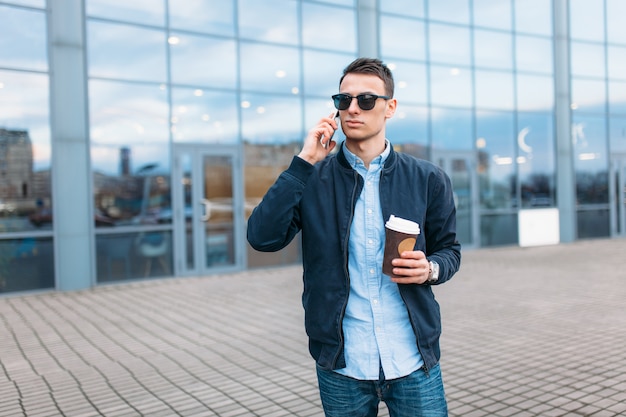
(352, 123)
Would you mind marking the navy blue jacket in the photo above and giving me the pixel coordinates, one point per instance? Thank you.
(319, 200)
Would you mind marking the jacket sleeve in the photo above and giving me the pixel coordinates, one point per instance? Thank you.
(441, 242)
(276, 220)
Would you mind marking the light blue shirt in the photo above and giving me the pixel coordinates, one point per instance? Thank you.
(376, 324)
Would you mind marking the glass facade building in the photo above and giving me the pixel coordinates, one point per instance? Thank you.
(136, 137)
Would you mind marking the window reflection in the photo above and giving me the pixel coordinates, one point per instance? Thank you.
(126, 52)
(615, 12)
(492, 13)
(494, 90)
(493, 49)
(588, 96)
(534, 93)
(203, 61)
(25, 188)
(586, 20)
(456, 11)
(269, 20)
(201, 116)
(131, 185)
(533, 54)
(533, 16)
(498, 229)
(451, 86)
(342, 36)
(402, 38)
(26, 264)
(410, 81)
(271, 119)
(23, 40)
(495, 144)
(322, 71)
(408, 130)
(617, 134)
(590, 162)
(281, 73)
(123, 113)
(414, 8)
(587, 59)
(536, 158)
(207, 16)
(617, 97)
(617, 62)
(449, 44)
(451, 129)
(147, 12)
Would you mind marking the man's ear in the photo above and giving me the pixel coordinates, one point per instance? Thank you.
(392, 103)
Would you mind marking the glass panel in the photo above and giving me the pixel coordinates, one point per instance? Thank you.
(408, 130)
(410, 82)
(203, 61)
(26, 264)
(593, 223)
(450, 86)
(536, 158)
(315, 109)
(588, 96)
(147, 12)
(534, 54)
(590, 159)
(493, 13)
(218, 210)
(617, 97)
(204, 116)
(615, 12)
(128, 114)
(533, 16)
(23, 40)
(25, 188)
(272, 119)
(617, 62)
(535, 93)
(403, 38)
(587, 59)
(30, 3)
(586, 20)
(269, 20)
(126, 52)
(187, 181)
(322, 71)
(131, 185)
(494, 90)
(493, 49)
(617, 134)
(342, 36)
(449, 44)
(281, 74)
(451, 129)
(498, 230)
(121, 257)
(414, 8)
(459, 171)
(455, 11)
(208, 16)
(496, 159)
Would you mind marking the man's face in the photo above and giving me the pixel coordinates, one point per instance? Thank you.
(358, 124)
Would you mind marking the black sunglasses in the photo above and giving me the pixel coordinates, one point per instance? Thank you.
(365, 101)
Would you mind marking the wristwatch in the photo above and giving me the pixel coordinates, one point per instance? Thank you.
(433, 272)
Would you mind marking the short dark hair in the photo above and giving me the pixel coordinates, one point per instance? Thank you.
(371, 66)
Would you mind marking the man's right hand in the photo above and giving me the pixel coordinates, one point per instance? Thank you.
(318, 143)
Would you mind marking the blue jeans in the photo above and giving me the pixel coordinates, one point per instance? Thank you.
(417, 394)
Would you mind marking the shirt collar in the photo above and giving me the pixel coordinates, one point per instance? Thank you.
(379, 160)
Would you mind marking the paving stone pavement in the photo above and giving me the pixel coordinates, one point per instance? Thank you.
(535, 331)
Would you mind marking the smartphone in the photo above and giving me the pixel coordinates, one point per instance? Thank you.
(338, 121)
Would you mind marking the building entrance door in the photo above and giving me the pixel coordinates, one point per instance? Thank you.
(617, 185)
(461, 168)
(208, 210)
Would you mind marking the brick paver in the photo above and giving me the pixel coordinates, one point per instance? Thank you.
(527, 332)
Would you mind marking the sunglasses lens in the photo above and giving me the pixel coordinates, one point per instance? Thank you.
(342, 101)
(366, 101)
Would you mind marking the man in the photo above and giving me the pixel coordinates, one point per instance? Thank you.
(374, 337)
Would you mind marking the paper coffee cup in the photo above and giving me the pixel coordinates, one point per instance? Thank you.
(400, 235)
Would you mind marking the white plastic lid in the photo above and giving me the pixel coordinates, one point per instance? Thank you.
(402, 225)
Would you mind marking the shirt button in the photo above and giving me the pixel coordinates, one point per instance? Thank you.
(375, 301)
(372, 271)
(369, 211)
(370, 241)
